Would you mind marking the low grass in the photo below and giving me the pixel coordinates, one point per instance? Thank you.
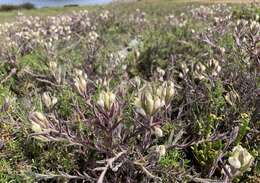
(10, 16)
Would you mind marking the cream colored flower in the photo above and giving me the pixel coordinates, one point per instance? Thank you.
(160, 72)
(170, 91)
(80, 82)
(232, 97)
(39, 122)
(199, 71)
(214, 67)
(53, 66)
(137, 81)
(106, 100)
(148, 103)
(166, 91)
(48, 100)
(93, 36)
(184, 70)
(200, 67)
(161, 149)
(240, 159)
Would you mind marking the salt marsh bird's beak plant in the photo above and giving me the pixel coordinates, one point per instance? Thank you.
(80, 82)
(199, 71)
(106, 100)
(48, 100)
(240, 160)
(183, 70)
(108, 110)
(39, 125)
(56, 71)
(166, 92)
(39, 122)
(214, 66)
(154, 99)
(147, 103)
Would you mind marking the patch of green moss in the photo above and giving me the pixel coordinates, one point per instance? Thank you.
(227, 41)
(67, 98)
(173, 159)
(34, 61)
(51, 157)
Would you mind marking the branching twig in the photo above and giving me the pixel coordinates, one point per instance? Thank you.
(109, 164)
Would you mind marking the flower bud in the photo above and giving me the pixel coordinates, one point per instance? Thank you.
(234, 161)
(93, 36)
(160, 72)
(166, 92)
(158, 103)
(53, 66)
(222, 50)
(101, 103)
(184, 68)
(137, 81)
(46, 99)
(148, 102)
(214, 67)
(157, 131)
(139, 108)
(136, 54)
(161, 149)
(169, 92)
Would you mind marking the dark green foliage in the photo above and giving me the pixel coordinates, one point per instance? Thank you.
(9, 7)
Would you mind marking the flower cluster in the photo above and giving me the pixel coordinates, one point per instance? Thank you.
(138, 17)
(48, 100)
(106, 100)
(176, 21)
(31, 32)
(104, 16)
(147, 103)
(240, 160)
(150, 100)
(202, 12)
(214, 67)
(80, 81)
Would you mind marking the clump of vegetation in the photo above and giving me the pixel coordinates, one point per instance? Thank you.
(10, 7)
(131, 94)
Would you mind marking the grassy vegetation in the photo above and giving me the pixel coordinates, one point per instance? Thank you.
(5, 16)
(165, 91)
(7, 7)
(11, 16)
